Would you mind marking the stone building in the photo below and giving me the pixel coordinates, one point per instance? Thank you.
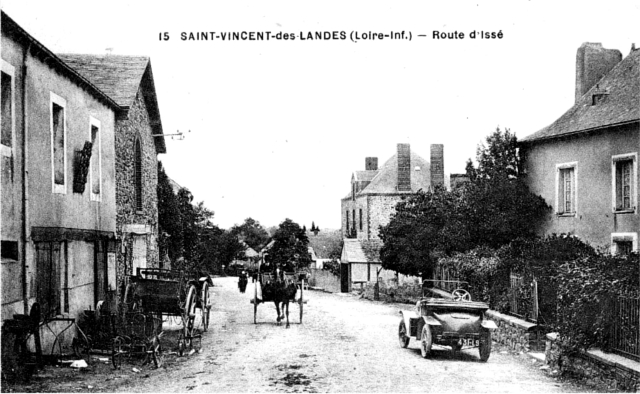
(128, 80)
(371, 202)
(58, 182)
(585, 164)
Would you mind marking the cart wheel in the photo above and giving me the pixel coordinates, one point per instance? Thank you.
(129, 298)
(301, 299)
(157, 355)
(181, 345)
(116, 352)
(204, 304)
(255, 302)
(402, 334)
(190, 314)
(485, 345)
(426, 341)
(82, 348)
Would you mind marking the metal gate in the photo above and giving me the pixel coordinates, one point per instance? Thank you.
(625, 330)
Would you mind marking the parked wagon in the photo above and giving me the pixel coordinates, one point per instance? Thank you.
(172, 293)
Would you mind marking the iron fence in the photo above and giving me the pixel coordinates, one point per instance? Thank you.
(624, 336)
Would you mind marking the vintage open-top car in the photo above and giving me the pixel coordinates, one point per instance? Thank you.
(446, 316)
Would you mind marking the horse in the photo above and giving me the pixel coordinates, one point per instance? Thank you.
(280, 292)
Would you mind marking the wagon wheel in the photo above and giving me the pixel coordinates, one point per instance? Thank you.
(156, 353)
(81, 346)
(204, 304)
(117, 352)
(301, 299)
(130, 304)
(189, 314)
(426, 341)
(402, 334)
(255, 302)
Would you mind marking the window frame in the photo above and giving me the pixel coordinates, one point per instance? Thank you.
(8, 69)
(617, 237)
(560, 201)
(615, 159)
(55, 99)
(93, 122)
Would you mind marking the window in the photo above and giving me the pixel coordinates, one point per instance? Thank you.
(567, 186)
(347, 216)
(58, 143)
(353, 191)
(354, 220)
(360, 219)
(95, 170)
(623, 173)
(7, 105)
(138, 175)
(624, 243)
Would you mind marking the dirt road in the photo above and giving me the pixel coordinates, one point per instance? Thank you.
(344, 345)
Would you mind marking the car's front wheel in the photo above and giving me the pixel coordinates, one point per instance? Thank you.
(426, 341)
(485, 345)
(403, 338)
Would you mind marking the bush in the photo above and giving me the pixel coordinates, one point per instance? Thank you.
(587, 288)
(332, 266)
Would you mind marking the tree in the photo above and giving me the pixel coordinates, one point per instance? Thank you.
(290, 248)
(252, 233)
(494, 208)
(219, 247)
(500, 206)
(170, 239)
(424, 226)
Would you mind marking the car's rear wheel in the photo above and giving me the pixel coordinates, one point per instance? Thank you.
(485, 345)
(403, 338)
(426, 341)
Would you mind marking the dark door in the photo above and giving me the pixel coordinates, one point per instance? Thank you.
(344, 278)
(48, 277)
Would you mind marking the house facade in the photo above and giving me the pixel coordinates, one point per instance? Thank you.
(58, 181)
(371, 203)
(585, 164)
(128, 80)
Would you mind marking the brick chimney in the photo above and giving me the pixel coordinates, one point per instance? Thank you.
(404, 167)
(437, 165)
(371, 163)
(592, 63)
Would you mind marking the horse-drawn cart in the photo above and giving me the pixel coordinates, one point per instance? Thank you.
(172, 293)
(287, 288)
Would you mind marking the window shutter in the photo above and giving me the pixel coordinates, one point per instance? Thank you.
(618, 186)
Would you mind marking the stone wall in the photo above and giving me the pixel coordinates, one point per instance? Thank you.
(324, 280)
(135, 126)
(591, 368)
(517, 334)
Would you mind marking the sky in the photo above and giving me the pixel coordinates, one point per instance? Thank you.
(274, 129)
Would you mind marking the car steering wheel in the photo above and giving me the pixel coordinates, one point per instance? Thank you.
(461, 295)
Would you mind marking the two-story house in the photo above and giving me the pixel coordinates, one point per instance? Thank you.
(58, 181)
(585, 164)
(371, 202)
(128, 80)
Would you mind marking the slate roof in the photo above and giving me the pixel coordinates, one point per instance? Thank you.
(117, 76)
(386, 178)
(365, 176)
(352, 251)
(620, 106)
(121, 77)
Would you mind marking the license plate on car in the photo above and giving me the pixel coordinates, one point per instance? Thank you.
(470, 342)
